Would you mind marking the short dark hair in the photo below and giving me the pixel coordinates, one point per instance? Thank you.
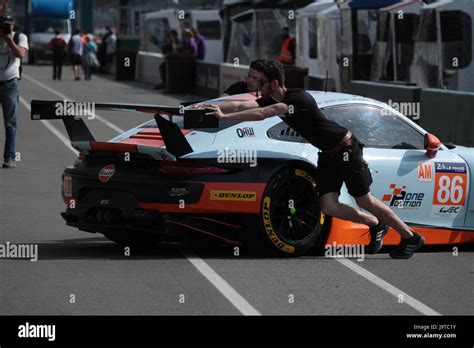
(174, 32)
(256, 63)
(273, 70)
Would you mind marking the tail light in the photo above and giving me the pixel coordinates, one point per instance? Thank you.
(189, 168)
(67, 186)
(78, 161)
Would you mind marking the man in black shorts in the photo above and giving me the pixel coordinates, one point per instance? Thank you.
(340, 158)
(250, 83)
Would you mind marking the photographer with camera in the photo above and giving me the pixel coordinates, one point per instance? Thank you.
(13, 47)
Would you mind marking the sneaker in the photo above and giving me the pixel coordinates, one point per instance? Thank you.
(9, 164)
(407, 247)
(376, 237)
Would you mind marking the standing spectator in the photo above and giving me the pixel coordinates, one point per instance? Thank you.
(13, 47)
(58, 47)
(110, 48)
(89, 58)
(287, 49)
(200, 44)
(188, 45)
(175, 39)
(76, 47)
(167, 46)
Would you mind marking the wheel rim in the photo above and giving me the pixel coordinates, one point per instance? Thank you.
(297, 224)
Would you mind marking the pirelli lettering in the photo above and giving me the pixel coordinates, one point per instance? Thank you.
(269, 229)
(305, 175)
(241, 196)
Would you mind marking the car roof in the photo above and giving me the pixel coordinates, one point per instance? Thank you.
(323, 99)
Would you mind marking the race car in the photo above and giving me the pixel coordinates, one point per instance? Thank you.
(184, 174)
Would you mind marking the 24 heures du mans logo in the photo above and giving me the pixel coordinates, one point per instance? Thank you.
(402, 199)
(106, 173)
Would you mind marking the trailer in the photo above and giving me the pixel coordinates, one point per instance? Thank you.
(444, 47)
(44, 17)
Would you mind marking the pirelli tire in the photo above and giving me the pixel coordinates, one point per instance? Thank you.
(290, 221)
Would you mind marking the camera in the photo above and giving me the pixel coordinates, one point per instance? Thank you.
(6, 28)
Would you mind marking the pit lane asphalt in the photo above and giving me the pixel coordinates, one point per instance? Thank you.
(105, 281)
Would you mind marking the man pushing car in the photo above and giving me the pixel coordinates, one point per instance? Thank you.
(340, 159)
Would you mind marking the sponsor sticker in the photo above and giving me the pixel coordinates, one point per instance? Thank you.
(449, 190)
(402, 199)
(245, 132)
(425, 172)
(106, 173)
(225, 195)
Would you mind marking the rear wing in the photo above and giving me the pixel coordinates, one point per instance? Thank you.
(73, 114)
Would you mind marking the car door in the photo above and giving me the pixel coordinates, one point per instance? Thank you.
(421, 190)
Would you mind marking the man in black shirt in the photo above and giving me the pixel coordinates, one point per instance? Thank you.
(250, 85)
(340, 158)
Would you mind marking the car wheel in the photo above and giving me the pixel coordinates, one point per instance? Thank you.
(290, 221)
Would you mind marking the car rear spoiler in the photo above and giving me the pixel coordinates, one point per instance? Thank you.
(82, 139)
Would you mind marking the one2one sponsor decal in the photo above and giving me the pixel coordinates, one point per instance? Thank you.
(450, 189)
(226, 195)
(106, 173)
(400, 198)
(245, 132)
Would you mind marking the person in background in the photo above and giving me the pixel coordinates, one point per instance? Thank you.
(250, 83)
(167, 46)
(13, 47)
(89, 58)
(58, 48)
(287, 49)
(188, 45)
(76, 47)
(200, 44)
(110, 48)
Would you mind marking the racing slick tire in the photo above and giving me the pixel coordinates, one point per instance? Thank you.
(290, 221)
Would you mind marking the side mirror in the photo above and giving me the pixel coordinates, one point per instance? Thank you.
(432, 144)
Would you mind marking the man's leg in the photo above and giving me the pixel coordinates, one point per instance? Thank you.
(330, 205)
(10, 109)
(384, 213)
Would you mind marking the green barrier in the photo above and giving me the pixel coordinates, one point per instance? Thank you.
(448, 114)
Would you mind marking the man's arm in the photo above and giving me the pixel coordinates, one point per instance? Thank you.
(252, 114)
(231, 106)
(18, 51)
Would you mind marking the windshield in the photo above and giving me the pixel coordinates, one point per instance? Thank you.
(48, 26)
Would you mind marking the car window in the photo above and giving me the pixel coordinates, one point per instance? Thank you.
(376, 127)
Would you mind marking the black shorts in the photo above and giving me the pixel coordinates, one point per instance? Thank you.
(346, 165)
(76, 59)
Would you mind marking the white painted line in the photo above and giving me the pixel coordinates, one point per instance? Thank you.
(407, 299)
(53, 130)
(224, 288)
(63, 97)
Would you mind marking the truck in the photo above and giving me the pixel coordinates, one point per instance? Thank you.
(42, 20)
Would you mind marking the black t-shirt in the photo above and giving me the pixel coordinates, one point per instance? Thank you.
(237, 88)
(308, 120)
